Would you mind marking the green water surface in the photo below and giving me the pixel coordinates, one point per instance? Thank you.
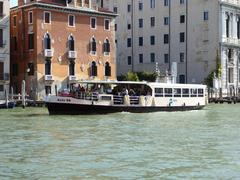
(201, 144)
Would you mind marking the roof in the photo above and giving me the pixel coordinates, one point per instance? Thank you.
(151, 84)
(58, 6)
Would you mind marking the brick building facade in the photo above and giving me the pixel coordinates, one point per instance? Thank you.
(57, 42)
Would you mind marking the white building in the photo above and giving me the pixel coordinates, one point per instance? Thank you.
(4, 47)
(193, 33)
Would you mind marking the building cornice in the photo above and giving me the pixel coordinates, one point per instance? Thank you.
(64, 9)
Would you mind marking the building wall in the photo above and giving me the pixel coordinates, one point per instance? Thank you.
(4, 50)
(59, 32)
(205, 39)
(230, 46)
(200, 46)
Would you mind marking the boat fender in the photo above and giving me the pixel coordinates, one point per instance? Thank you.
(184, 104)
(198, 104)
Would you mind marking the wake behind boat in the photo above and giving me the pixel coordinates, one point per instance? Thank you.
(101, 97)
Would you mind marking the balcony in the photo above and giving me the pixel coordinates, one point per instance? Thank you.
(48, 78)
(93, 53)
(231, 41)
(4, 77)
(233, 2)
(106, 53)
(72, 78)
(48, 53)
(72, 54)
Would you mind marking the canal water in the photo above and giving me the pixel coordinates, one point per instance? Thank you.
(179, 145)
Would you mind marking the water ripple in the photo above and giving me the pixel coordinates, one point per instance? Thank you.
(178, 145)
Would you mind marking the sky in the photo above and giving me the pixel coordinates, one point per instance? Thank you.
(13, 3)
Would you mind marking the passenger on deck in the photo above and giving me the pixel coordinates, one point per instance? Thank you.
(132, 92)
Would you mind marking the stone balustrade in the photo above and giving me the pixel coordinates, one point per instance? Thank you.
(232, 41)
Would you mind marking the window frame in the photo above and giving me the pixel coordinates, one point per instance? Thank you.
(166, 60)
(129, 60)
(30, 18)
(129, 42)
(181, 57)
(182, 19)
(108, 29)
(71, 15)
(140, 23)
(182, 37)
(152, 40)
(140, 58)
(140, 41)
(93, 53)
(152, 57)
(152, 21)
(91, 18)
(32, 36)
(166, 21)
(205, 15)
(44, 16)
(107, 65)
(166, 37)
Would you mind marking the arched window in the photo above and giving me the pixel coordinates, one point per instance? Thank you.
(71, 68)
(47, 41)
(47, 67)
(106, 47)
(93, 46)
(107, 69)
(71, 43)
(93, 69)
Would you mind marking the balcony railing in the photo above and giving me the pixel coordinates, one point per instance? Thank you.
(48, 78)
(72, 78)
(48, 53)
(234, 2)
(72, 54)
(232, 41)
(4, 76)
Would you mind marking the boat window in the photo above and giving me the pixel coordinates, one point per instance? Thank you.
(168, 92)
(185, 92)
(200, 92)
(193, 92)
(177, 92)
(158, 92)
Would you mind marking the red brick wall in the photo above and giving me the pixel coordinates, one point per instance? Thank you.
(59, 31)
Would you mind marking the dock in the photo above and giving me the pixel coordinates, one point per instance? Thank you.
(221, 98)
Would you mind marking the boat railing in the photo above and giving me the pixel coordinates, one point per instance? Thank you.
(87, 96)
(118, 99)
(133, 100)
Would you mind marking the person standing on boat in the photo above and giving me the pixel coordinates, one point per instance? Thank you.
(125, 91)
